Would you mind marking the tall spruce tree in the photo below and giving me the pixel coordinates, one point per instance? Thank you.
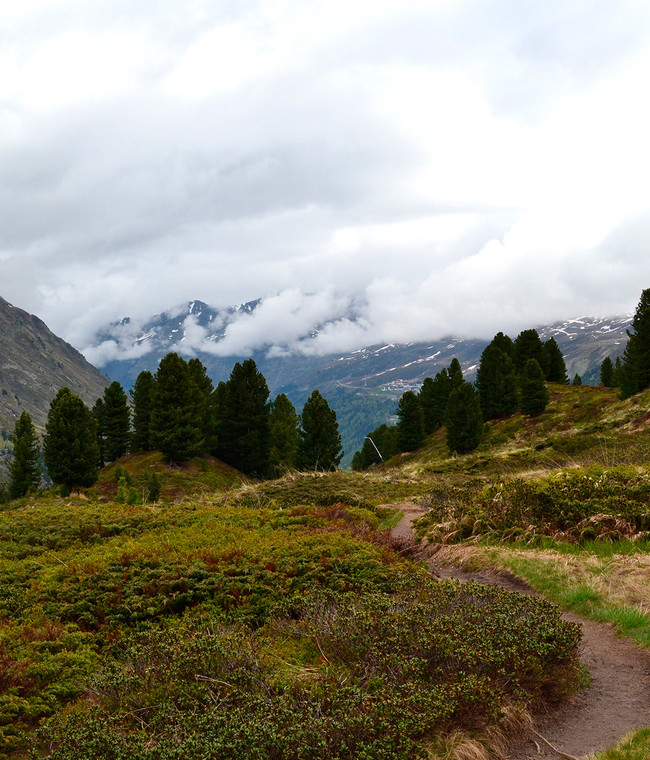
(455, 372)
(98, 414)
(435, 404)
(24, 472)
(70, 444)
(410, 425)
(503, 343)
(497, 383)
(528, 345)
(116, 422)
(142, 398)
(556, 367)
(464, 419)
(378, 446)
(635, 370)
(284, 435)
(534, 394)
(427, 399)
(320, 442)
(174, 425)
(202, 388)
(607, 373)
(243, 434)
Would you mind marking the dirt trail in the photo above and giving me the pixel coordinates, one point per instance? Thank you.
(617, 701)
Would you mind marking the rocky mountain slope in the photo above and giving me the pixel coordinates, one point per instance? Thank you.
(34, 364)
(198, 329)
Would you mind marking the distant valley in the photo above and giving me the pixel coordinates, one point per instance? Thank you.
(362, 385)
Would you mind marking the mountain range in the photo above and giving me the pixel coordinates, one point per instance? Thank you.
(584, 341)
(361, 385)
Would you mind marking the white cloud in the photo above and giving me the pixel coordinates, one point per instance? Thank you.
(435, 166)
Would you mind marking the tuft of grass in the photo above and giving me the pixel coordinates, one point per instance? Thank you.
(635, 746)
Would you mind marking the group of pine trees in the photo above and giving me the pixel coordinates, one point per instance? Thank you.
(511, 377)
(631, 372)
(179, 412)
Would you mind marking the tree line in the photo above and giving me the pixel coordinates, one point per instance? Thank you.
(179, 412)
(511, 377)
(631, 372)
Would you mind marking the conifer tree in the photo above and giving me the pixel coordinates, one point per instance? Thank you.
(116, 419)
(497, 383)
(70, 444)
(607, 373)
(410, 425)
(577, 380)
(528, 345)
(455, 372)
(142, 398)
(555, 360)
(173, 424)
(618, 372)
(463, 419)
(243, 435)
(284, 435)
(320, 441)
(534, 394)
(427, 399)
(635, 370)
(203, 409)
(503, 343)
(98, 414)
(436, 401)
(378, 446)
(24, 472)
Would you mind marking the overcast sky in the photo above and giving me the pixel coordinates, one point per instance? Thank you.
(429, 166)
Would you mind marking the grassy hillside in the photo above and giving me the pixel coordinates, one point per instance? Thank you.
(233, 619)
(227, 618)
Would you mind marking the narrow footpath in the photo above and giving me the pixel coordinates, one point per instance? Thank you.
(616, 702)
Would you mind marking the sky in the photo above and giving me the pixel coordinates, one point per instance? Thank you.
(390, 171)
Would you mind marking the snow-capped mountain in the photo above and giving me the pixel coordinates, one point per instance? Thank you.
(361, 385)
(198, 329)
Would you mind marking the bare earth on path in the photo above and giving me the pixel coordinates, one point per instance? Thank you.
(616, 702)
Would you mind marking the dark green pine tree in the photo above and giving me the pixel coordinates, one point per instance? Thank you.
(410, 425)
(378, 446)
(70, 444)
(320, 441)
(534, 394)
(464, 419)
(173, 424)
(98, 414)
(142, 399)
(577, 380)
(528, 345)
(617, 377)
(556, 366)
(116, 422)
(203, 407)
(503, 343)
(24, 472)
(432, 403)
(438, 395)
(285, 435)
(635, 370)
(497, 384)
(607, 373)
(242, 408)
(455, 372)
